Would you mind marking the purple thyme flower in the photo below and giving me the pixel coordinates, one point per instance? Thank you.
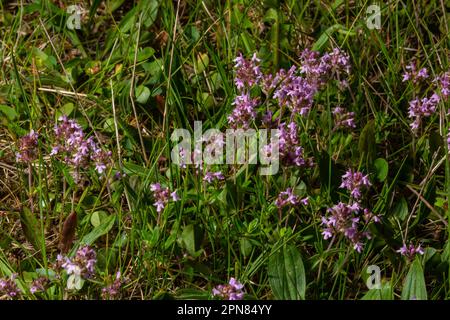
(410, 251)
(248, 72)
(353, 181)
(83, 264)
(422, 108)
(39, 285)
(370, 216)
(75, 149)
(112, 291)
(319, 69)
(344, 220)
(286, 198)
(295, 92)
(28, 147)
(231, 291)
(343, 119)
(290, 151)
(244, 111)
(412, 74)
(443, 82)
(210, 177)
(9, 287)
(289, 198)
(162, 196)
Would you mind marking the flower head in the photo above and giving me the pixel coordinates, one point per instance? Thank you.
(112, 291)
(77, 150)
(354, 181)
(39, 285)
(411, 73)
(244, 111)
(83, 264)
(343, 219)
(9, 287)
(231, 291)
(343, 119)
(410, 251)
(28, 147)
(248, 72)
(162, 196)
(210, 177)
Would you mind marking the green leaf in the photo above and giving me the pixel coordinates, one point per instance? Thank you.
(385, 293)
(65, 110)
(9, 112)
(401, 209)
(287, 274)
(31, 228)
(99, 231)
(415, 288)
(382, 168)
(191, 238)
(201, 63)
(97, 217)
(367, 142)
(325, 36)
(142, 94)
(192, 294)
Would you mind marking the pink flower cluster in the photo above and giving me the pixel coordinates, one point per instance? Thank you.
(343, 119)
(113, 290)
(162, 196)
(9, 287)
(83, 264)
(77, 150)
(28, 147)
(411, 73)
(210, 177)
(425, 107)
(410, 251)
(345, 219)
(288, 198)
(353, 181)
(231, 291)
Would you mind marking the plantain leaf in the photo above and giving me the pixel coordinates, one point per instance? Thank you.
(99, 231)
(385, 293)
(401, 209)
(415, 288)
(382, 168)
(367, 142)
(287, 274)
(31, 228)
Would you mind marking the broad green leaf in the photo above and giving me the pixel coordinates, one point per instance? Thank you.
(31, 228)
(99, 231)
(385, 293)
(191, 238)
(142, 94)
(65, 110)
(323, 39)
(401, 209)
(97, 217)
(367, 143)
(9, 112)
(415, 288)
(382, 168)
(192, 294)
(287, 274)
(201, 63)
